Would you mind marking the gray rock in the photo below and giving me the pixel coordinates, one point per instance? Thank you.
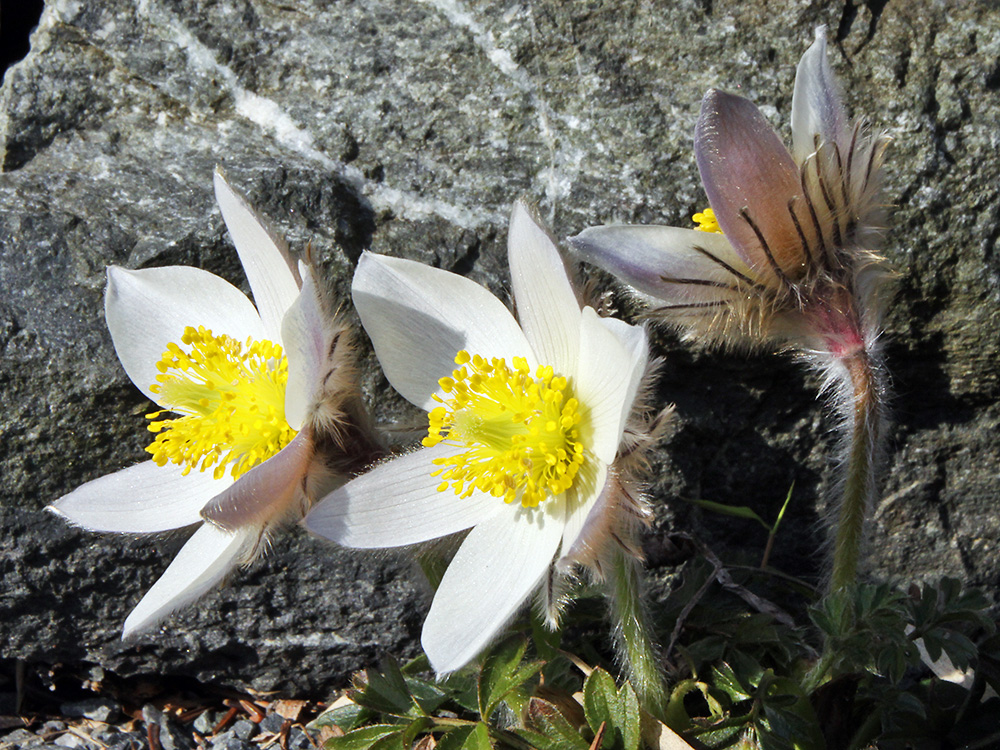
(206, 722)
(21, 738)
(244, 729)
(409, 129)
(99, 709)
(299, 740)
(70, 740)
(229, 741)
(171, 736)
(115, 739)
(272, 723)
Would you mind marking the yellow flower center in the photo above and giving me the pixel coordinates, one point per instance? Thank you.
(231, 396)
(521, 434)
(707, 222)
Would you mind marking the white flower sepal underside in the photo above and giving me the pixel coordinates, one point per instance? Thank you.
(148, 309)
(418, 318)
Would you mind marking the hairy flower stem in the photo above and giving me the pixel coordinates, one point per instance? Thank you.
(635, 647)
(865, 426)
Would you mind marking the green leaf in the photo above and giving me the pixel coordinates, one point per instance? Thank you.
(677, 716)
(390, 742)
(539, 741)
(781, 513)
(740, 511)
(727, 681)
(367, 737)
(600, 699)
(473, 737)
(502, 673)
(960, 650)
(386, 691)
(428, 696)
(347, 717)
(545, 719)
(631, 727)
(546, 640)
(617, 709)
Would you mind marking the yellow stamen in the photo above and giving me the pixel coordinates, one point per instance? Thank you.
(521, 434)
(231, 396)
(707, 222)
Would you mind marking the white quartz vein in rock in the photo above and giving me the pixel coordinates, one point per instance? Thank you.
(558, 176)
(268, 115)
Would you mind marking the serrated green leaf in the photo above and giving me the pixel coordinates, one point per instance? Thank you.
(545, 640)
(428, 696)
(544, 718)
(677, 717)
(749, 669)
(822, 620)
(539, 741)
(726, 680)
(365, 738)
(386, 692)
(415, 728)
(960, 650)
(390, 742)
(600, 699)
(617, 709)
(346, 717)
(473, 737)
(503, 672)
(632, 724)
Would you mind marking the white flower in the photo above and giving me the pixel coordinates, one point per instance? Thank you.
(522, 432)
(241, 453)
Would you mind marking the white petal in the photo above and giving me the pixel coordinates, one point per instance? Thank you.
(264, 256)
(267, 491)
(676, 266)
(546, 305)
(148, 309)
(419, 317)
(304, 339)
(397, 503)
(816, 104)
(607, 379)
(200, 566)
(636, 343)
(499, 565)
(141, 499)
(581, 501)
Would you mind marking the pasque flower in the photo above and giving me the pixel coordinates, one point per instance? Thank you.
(266, 410)
(526, 418)
(786, 257)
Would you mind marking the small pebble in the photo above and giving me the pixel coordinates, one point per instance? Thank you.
(229, 741)
(173, 736)
(244, 729)
(299, 740)
(98, 709)
(272, 723)
(206, 722)
(71, 740)
(21, 738)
